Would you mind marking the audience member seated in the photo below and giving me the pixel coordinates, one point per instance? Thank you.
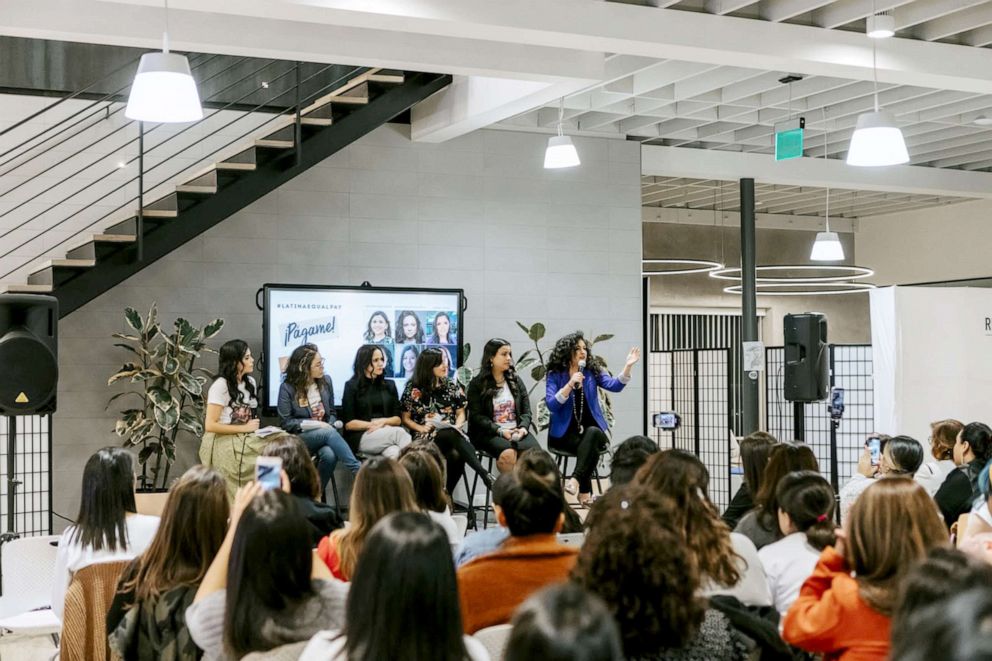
(304, 484)
(147, 617)
(900, 456)
(492, 586)
(940, 461)
(306, 408)
(381, 487)
(427, 474)
(536, 462)
(403, 602)
(628, 457)
(843, 610)
(806, 519)
(229, 442)
(107, 529)
(755, 449)
(979, 524)
(959, 629)
(972, 452)
(563, 623)
(264, 587)
(637, 559)
(499, 407)
(371, 406)
(760, 525)
(728, 563)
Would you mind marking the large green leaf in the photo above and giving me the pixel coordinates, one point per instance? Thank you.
(538, 372)
(170, 451)
(603, 337)
(191, 423)
(152, 331)
(133, 319)
(190, 383)
(126, 371)
(161, 397)
(525, 329)
(536, 331)
(167, 418)
(130, 338)
(148, 452)
(145, 374)
(464, 374)
(212, 328)
(170, 365)
(122, 394)
(524, 356)
(466, 351)
(139, 352)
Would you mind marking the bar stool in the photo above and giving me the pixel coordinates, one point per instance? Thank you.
(562, 457)
(489, 459)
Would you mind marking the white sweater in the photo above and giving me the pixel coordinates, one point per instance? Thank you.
(752, 589)
(787, 563)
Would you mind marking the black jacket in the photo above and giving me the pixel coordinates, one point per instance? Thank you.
(741, 504)
(959, 491)
(378, 400)
(480, 409)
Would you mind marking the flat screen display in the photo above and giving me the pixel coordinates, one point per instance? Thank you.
(339, 320)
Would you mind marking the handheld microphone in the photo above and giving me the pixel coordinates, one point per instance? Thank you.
(582, 366)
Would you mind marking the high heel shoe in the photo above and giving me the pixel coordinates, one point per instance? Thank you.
(571, 486)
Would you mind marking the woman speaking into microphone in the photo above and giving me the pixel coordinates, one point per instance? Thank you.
(577, 422)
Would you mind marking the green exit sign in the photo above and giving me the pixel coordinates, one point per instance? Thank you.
(788, 144)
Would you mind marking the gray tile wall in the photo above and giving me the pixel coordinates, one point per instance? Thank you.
(478, 212)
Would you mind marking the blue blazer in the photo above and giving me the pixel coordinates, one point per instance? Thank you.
(561, 412)
(291, 414)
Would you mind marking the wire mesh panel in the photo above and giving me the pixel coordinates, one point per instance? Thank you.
(684, 403)
(659, 394)
(31, 471)
(851, 369)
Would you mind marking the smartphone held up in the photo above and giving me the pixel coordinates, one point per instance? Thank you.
(268, 472)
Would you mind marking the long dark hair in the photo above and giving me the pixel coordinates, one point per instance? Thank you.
(978, 436)
(540, 464)
(809, 501)
(755, 448)
(400, 337)
(410, 348)
(188, 537)
(107, 497)
(451, 329)
(427, 475)
(369, 335)
(423, 373)
(303, 478)
(560, 359)
(403, 601)
(265, 578)
(784, 458)
(485, 374)
(229, 360)
(363, 359)
(298, 370)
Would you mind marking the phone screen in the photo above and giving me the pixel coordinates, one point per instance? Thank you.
(666, 420)
(875, 450)
(267, 472)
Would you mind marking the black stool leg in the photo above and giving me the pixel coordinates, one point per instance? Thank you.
(337, 498)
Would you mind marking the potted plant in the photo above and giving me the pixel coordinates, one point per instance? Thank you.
(167, 398)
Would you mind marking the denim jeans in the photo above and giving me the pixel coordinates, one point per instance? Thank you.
(328, 445)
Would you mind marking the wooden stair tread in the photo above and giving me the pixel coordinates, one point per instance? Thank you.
(159, 213)
(71, 263)
(25, 289)
(113, 238)
(274, 144)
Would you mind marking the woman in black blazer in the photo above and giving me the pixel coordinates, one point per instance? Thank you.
(499, 408)
(371, 407)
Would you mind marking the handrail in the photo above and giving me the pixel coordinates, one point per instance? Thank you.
(316, 94)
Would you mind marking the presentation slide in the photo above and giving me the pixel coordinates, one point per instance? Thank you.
(339, 320)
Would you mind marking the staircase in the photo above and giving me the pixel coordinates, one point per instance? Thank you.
(299, 138)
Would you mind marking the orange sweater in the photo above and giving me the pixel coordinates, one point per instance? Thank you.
(831, 617)
(493, 585)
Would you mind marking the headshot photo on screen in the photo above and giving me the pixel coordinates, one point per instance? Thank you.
(378, 330)
(450, 352)
(409, 328)
(442, 328)
(407, 361)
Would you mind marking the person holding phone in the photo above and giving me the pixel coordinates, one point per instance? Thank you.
(229, 443)
(409, 330)
(578, 425)
(306, 408)
(499, 408)
(883, 456)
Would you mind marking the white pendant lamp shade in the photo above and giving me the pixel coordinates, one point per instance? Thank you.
(560, 153)
(827, 248)
(877, 141)
(163, 90)
(881, 26)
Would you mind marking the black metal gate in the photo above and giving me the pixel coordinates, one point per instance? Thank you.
(26, 470)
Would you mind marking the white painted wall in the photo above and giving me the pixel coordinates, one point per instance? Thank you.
(478, 212)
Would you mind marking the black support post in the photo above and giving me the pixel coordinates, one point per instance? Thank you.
(749, 308)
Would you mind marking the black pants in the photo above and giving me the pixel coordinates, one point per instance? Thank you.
(586, 448)
(494, 446)
(457, 452)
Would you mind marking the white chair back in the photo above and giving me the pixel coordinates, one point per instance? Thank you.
(28, 567)
(572, 538)
(494, 639)
(461, 523)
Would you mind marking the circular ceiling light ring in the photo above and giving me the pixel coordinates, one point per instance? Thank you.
(845, 273)
(680, 266)
(805, 288)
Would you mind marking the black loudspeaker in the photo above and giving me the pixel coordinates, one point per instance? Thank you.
(806, 361)
(29, 365)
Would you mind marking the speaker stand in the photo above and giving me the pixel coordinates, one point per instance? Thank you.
(799, 421)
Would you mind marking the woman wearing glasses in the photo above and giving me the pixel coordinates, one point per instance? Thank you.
(306, 408)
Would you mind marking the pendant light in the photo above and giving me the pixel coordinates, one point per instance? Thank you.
(827, 247)
(876, 140)
(560, 152)
(163, 90)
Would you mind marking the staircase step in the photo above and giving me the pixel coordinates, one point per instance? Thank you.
(57, 271)
(387, 76)
(316, 121)
(279, 139)
(101, 246)
(164, 207)
(204, 184)
(242, 161)
(25, 289)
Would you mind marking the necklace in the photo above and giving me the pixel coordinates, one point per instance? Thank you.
(577, 403)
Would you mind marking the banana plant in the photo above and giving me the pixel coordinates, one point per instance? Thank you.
(167, 398)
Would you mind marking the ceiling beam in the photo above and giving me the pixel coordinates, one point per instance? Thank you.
(827, 173)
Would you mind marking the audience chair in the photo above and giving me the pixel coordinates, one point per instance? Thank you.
(461, 523)
(494, 639)
(87, 601)
(572, 538)
(28, 568)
